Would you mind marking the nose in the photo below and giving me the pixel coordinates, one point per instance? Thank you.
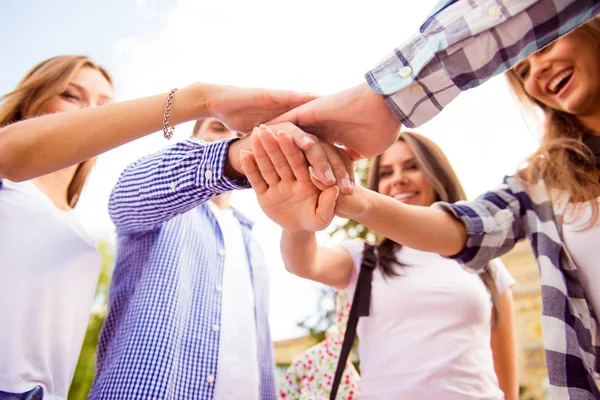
(539, 66)
(399, 178)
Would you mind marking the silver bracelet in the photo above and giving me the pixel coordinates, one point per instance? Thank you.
(168, 130)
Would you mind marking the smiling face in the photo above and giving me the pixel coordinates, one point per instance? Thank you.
(400, 177)
(564, 75)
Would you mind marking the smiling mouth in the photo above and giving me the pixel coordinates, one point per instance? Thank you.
(405, 196)
(560, 81)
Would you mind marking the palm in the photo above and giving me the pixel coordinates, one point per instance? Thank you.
(293, 205)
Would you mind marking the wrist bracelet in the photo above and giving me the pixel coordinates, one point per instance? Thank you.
(168, 130)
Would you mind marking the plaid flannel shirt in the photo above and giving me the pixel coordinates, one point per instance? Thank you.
(495, 222)
(159, 339)
(462, 44)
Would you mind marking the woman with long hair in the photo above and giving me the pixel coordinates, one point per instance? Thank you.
(58, 118)
(434, 330)
(552, 201)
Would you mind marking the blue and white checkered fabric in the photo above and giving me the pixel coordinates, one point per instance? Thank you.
(158, 340)
(464, 43)
(495, 222)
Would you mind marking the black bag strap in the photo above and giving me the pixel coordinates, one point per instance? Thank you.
(360, 308)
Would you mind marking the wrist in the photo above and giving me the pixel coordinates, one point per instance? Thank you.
(233, 167)
(190, 103)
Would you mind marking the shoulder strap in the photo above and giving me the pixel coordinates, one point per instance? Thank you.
(360, 308)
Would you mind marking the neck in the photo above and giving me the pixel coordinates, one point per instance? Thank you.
(591, 122)
(222, 201)
(55, 186)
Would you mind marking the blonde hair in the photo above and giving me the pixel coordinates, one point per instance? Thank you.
(432, 161)
(44, 81)
(563, 161)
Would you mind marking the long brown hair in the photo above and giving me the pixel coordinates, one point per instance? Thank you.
(562, 160)
(44, 81)
(432, 161)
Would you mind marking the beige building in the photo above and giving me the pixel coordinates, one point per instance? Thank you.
(528, 311)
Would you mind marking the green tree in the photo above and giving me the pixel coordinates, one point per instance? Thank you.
(84, 373)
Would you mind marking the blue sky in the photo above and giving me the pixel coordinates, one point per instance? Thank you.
(34, 30)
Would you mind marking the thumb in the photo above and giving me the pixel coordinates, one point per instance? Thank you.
(326, 204)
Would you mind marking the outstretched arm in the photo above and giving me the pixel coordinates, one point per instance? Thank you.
(460, 45)
(44, 144)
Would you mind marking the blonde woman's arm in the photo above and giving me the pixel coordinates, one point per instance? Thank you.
(48, 143)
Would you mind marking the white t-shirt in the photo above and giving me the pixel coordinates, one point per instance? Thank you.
(237, 368)
(428, 332)
(49, 271)
(584, 248)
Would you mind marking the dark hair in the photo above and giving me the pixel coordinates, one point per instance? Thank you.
(432, 161)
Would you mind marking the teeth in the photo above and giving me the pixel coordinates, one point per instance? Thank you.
(404, 195)
(553, 86)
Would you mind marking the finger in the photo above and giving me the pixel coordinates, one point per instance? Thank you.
(326, 204)
(315, 155)
(320, 185)
(354, 156)
(301, 116)
(271, 145)
(295, 156)
(252, 173)
(302, 139)
(341, 166)
(263, 161)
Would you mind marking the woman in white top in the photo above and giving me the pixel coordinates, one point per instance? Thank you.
(53, 124)
(434, 331)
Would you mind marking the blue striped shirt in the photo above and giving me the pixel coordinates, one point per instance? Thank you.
(158, 340)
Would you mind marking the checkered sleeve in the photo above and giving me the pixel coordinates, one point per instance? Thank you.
(462, 44)
(493, 222)
(158, 187)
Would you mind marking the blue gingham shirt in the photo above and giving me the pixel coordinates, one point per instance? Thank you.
(495, 222)
(462, 44)
(158, 340)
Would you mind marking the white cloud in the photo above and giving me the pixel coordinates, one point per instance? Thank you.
(317, 46)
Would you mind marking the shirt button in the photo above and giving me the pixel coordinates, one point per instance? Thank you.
(216, 328)
(219, 288)
(174, 185)
(405, 72)
(494, 11)
(210, 379)
(221, 252)
(417, 90)
(208, 174)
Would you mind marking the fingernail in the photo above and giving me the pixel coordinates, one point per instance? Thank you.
(263, 126)
(329, 175)
(307, 141)
(346, 184)
(242, 151)
(311, 170)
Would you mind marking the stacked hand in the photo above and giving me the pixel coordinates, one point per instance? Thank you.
(286, 189)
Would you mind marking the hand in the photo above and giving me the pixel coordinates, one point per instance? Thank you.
(356, 118)
(241, 109)
(349, 206)
(278, 173)
(328, 163)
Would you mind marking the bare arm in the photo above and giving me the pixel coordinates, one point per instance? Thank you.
(302, 256)
(504, 348)
(41, 145)
(422, 228)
